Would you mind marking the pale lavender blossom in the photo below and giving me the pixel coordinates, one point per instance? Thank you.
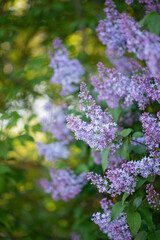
(117, 229)
(151, 129)
(67, 72)
(54, 122)
(115, 87)
(100, 132)
(64, 184)
(126, 176)
(121, 33)
(53, 151)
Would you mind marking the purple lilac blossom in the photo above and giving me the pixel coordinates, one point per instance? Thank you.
(67, 72)
(121, 33)
(151, 129)
(152, 196)
(101, 131)
(117, 229)
(54, 122)
(53, 151)
(114, 87)
(150, 5)
(126, 176)
(64, 184)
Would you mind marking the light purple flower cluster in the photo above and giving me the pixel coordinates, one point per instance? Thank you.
(64, 184)
(114, 160)
(152, 196)
(151, 128)
(117, 229)
(124, 179)
(53, 151)
(54, 122)
(67, 72)
(101, 131)
(115, 87)
(121, 33)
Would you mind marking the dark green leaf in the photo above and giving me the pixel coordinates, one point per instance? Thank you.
(147, 216)
(134, 221)
(137, 201)
(125, 132)
(123, 150)
(125, 196)
(116, 210)
(105, 155)
(4, 169)
(137, 134)
(141, 236)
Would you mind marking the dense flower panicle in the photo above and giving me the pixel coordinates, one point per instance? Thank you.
(109, 32)
(117, 229)
(151, 128)
(64, 184)
(101, 131)
(54, 122)
(152, 196)
(67, 72)
(121, 33)
(126, 176)
(115, 87)
(53, 151)
(150, 5)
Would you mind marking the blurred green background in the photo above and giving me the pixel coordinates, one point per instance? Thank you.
(27, 29)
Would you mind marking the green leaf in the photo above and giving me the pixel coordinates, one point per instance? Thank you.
(154, 236)
(123, 150)
(105, 155)
(117, 209)
(154, 23)
(138, 134)
(4, 169)
(140, 182)
(116, 112)
(125, 132)
(134, 221)
(137, 201)
(147, 216)
(25, 137)
(141, 236)
(140, 149)
(125, 196)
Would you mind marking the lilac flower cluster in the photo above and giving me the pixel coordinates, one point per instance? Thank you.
(114, 160)
(54, 122)
(152, 196)
(64, 184)
(151, 126)
(67, 72)
(126, 176)
(53, 151)
(101, 131)
(120, 33)
(117, 229)
(115, 87)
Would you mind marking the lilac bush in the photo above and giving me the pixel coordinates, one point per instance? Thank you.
(126, 95)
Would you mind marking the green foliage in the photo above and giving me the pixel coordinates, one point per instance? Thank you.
(117, 209)
(105, 155)
(134, 221)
